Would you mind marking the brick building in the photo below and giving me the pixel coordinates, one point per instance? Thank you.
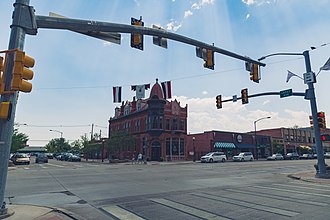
(231, 143)
(301, 140)
(158, 126)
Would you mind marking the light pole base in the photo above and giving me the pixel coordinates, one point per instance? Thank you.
(5, 213)
(322, 175)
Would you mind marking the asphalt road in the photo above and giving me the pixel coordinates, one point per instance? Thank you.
(231, 190)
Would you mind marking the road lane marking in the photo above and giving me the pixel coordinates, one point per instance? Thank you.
(312, 184)
(275, 197)
(55, 165)
(187, 209)
(121, 213)
(288, 190)
(42, 166)
(80, 166)
(248, 205)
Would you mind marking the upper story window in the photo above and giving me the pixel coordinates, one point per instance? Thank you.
(167, 126)
(182, 125)
(175, 124)
(126, 110)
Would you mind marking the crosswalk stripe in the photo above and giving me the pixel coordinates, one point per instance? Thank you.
(121, 213)
(288, 190)
(277, 197)
(193, 211)
(303, 187)
(312, 184)
(249, 205)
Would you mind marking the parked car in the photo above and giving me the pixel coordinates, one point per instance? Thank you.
(327, 155)
(214, 157)
(20, 159)
(306, 156)
(292, 156)
(74, 158)
(275, 157)
(244, 156)
(49, 155)
(41, 158)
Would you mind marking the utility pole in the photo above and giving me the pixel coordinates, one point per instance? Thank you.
(17, 37)
(92, 131)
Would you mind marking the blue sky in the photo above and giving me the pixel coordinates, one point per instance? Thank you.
(67, 61)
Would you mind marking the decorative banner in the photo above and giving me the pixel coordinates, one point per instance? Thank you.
(140, 90)
(166, 86)
(117, 94)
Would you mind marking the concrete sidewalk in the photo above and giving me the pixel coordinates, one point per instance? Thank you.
(310, 177)
(30, 212)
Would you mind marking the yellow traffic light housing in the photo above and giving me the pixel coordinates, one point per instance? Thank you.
(218, 101)
(254, 71)
(245, 96)
(21, 72)
(321, 120)
(4, 110)
(209, 59)
(137, 39)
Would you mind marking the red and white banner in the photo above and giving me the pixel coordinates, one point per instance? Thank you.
(166, 86)
(117, 94)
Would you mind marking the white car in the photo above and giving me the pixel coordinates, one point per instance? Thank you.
(244, 156)
(214, 157)
(276, 157)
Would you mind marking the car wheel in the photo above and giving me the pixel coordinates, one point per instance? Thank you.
(242, 159)
(223, 160)
(211, 160)
(251, 159)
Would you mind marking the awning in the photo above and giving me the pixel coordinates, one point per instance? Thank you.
(224, 145)
(250, 146)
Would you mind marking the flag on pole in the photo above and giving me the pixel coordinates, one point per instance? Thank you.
(117, 94)
(326, 66)
(166, 86)
(290, 74)
(140, 90)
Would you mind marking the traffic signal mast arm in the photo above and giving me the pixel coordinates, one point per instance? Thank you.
(95, 27)
(265, 94)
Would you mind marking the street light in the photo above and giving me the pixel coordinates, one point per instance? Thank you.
(310, 95)
(57, 132)
(255, 134)
(194, 149)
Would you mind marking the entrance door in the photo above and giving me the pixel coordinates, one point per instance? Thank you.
(155, 151)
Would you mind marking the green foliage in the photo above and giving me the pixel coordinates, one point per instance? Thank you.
(119, 141)
(58, 145)
(18, 140)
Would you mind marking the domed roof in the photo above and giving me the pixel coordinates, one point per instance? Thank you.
(156, 90)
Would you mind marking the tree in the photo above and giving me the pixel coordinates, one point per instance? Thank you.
(18, 141)
(119, 141)
(58, 145)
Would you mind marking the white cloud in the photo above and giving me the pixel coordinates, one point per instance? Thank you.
(234, 116)
(188, 13)
(205, 93)
(247, 16)
(257, 2)
(173, 26)
(266, 102)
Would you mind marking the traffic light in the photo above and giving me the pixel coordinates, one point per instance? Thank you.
(2, 73)
(218, 101)
(245, 96)
(325, 137)
(209, 59)
(321, 120)
(137, 39)
(254, 71)
(21, 72)
(311, 121)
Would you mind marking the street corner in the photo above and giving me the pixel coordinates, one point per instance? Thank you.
(310, 177)
(31, 212)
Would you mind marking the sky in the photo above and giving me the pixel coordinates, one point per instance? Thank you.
(74, 74)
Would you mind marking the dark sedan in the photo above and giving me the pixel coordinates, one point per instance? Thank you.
(292, 156)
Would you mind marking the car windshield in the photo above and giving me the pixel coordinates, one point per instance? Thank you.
(241, 154)
(21, 156)
(208, 154)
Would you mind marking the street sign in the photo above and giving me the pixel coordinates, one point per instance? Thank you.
(285, 93)
(234, 98)
(309, 78)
